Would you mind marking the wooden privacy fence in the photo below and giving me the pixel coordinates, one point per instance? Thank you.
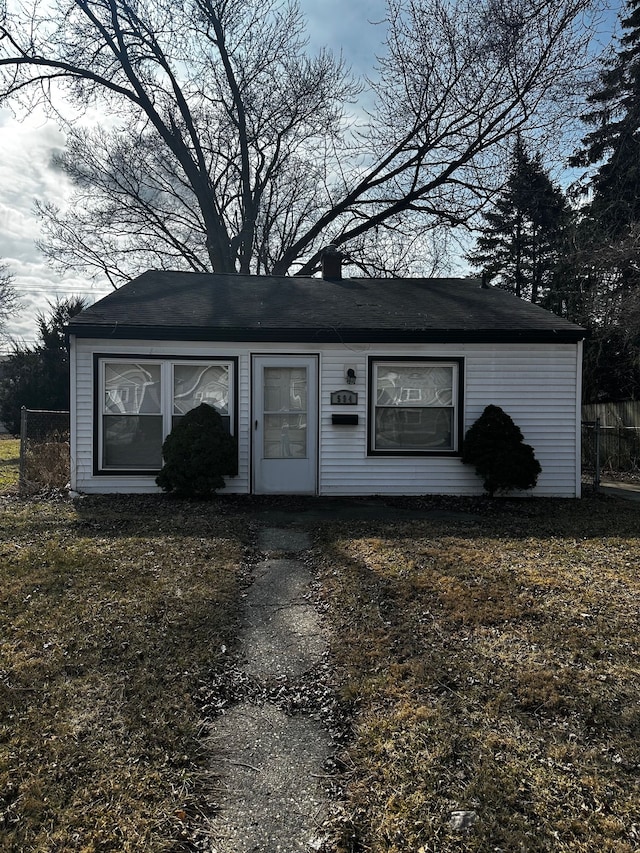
(625, 413)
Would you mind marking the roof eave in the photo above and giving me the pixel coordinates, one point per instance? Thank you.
(118, 331)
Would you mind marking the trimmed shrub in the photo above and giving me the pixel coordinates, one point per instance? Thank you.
(495, 445)
(198, 453)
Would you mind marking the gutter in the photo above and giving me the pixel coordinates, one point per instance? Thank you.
(117, 331)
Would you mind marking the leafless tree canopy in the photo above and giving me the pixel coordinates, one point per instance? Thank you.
(9, 302)
(227, 147)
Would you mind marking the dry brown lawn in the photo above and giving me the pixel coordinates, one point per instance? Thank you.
(113, 614)
(491, 667)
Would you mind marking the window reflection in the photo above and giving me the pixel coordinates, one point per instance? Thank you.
(427, 386)
(285, 412)
(195, 384)
(414, 406)
(132, 389)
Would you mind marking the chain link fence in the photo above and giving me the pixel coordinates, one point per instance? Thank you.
(44, 451)
(612, 449)
(591, 454)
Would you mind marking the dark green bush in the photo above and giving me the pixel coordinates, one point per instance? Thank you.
(495, 445)
(197, 454)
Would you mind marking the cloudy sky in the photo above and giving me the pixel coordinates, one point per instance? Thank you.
(26, 175)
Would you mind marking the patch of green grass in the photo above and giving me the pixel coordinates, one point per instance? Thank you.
(113, 613)
(9, 464)
(491, 666)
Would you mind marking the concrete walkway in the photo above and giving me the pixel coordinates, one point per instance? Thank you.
(626, 491)
(270, 763)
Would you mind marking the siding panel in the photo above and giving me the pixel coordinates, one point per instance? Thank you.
(535, 384)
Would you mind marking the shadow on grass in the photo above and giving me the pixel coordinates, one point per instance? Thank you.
(492, 670)
(594, 515)
(107, 640)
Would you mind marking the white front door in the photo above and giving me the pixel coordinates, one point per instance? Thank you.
(285, 424)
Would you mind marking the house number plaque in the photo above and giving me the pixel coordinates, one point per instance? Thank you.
(344, 398)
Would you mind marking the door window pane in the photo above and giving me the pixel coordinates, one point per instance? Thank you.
(285, 389)
(285, 437)
(285, 412)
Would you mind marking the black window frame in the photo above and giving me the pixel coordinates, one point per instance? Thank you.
(102, 358)
(458, 405)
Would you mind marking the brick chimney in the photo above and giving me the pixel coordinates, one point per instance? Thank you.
(331, 259)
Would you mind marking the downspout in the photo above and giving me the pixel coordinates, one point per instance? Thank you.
(578, 485)
(72, 412)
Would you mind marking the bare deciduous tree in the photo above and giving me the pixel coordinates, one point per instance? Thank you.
(230, 147)
(130, 208)
(9, 301)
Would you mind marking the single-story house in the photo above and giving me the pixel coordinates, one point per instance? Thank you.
(333, 386)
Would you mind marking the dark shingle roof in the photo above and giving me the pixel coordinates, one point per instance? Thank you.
(195, 306)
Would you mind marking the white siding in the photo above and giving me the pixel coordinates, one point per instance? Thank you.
(538, 385)
(535, 384)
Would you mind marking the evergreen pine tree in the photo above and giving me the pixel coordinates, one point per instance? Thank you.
(520, 241)
(38, 377)
(614, 141)
(608, 238)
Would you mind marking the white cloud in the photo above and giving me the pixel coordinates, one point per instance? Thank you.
(27, 175)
